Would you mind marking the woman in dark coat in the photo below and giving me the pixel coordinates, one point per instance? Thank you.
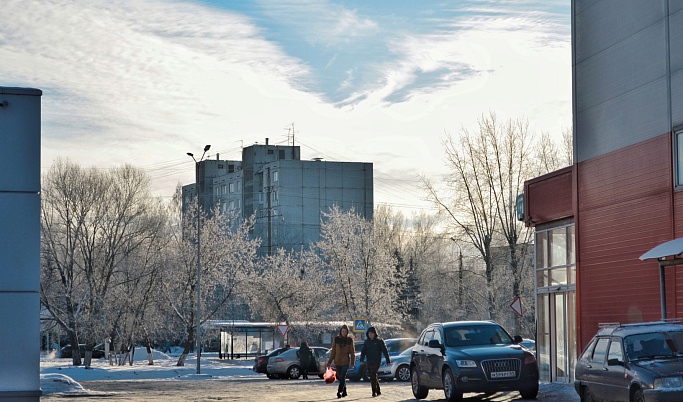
(373, 348)
(343, 354)
(305, 359)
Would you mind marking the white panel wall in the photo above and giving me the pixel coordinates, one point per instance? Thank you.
(620, 70)
(20, 244)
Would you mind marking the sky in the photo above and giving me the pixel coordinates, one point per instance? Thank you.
(146, 81)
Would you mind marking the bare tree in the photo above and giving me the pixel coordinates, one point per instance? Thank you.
(365, 277)
(471, 206)
(91, 221)
(487, 172)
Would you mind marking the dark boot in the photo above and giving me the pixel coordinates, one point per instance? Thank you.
(344, 392)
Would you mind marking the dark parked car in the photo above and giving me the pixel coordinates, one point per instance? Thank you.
(261, 362)
(97, 352)
(471, 356)
(632, 362)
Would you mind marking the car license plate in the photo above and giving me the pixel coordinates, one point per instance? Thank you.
(502, 374)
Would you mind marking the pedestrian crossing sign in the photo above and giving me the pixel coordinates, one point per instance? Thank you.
(359, 324)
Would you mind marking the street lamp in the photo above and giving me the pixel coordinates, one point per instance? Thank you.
(199, 264)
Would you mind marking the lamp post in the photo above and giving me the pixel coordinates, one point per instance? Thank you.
(199, 264)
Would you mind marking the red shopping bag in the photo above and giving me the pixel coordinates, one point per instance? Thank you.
(329, 376)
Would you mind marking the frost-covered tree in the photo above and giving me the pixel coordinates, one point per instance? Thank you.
(290, 287)
(227, 257)
(366, 281)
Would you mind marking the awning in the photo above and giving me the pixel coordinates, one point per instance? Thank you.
(670, 248)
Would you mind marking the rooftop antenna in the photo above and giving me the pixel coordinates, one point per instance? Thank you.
(290, 132)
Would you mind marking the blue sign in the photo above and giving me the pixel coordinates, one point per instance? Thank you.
(520, 207)
(359, 325)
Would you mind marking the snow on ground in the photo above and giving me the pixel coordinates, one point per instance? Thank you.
(59, 375)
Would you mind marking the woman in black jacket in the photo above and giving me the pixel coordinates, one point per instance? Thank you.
(373, 348)
(305, 358)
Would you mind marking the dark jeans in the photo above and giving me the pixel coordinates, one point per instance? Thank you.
(372, 373)
(341, 376)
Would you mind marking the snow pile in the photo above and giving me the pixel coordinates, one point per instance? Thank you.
(59, 383)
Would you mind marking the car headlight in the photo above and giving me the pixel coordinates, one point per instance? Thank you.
(466, 363)
(669, 382)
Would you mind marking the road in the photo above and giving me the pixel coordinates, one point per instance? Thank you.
(264, 390)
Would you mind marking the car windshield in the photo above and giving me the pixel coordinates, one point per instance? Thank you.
(653, 345)
(407, 351)
(470, 335)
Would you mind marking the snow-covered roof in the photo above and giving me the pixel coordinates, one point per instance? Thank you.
(670, 248)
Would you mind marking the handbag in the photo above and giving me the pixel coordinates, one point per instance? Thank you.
(330, 376)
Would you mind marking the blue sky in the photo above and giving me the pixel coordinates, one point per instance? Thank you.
(146, 81)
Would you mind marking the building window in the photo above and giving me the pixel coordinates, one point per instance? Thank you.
(232, 187)
(223, 188)
(275, 176)
(232, 205)
(231, 168)
(555, 257)
(220, 166)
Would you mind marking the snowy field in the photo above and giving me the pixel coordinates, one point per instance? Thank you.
(58, 375)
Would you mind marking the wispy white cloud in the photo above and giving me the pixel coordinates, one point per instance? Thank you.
(144, 81)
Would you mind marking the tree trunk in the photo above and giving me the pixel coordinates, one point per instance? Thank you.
(188, 347)
(75, 350)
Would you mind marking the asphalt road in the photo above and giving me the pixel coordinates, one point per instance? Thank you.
(264, 390)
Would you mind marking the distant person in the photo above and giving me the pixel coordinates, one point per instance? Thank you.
(343, 354)
(305, 359)
(373, 348)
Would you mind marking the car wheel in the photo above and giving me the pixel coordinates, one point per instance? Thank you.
(294, 372)
(403, 373)
(450, 387)
(529, 390)
(419, 391)
(638, 396)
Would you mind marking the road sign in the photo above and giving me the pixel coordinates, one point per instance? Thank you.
(283, 329)
(517, 306)
(359, 325)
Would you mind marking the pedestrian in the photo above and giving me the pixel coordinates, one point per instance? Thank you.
(343, 354)
(373, 348)
(305, 359)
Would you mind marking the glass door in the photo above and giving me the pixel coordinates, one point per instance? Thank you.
(556, 346)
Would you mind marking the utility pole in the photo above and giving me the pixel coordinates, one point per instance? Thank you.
(199, 264)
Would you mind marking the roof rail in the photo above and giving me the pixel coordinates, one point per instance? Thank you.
(608, 324)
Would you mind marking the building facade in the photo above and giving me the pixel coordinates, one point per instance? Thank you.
(622, 196)
(287, 195)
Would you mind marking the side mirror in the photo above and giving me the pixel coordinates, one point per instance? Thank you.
(517, 339)
(615, 362)
(434, 344)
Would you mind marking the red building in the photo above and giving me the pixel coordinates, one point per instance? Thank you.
(622, 197)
